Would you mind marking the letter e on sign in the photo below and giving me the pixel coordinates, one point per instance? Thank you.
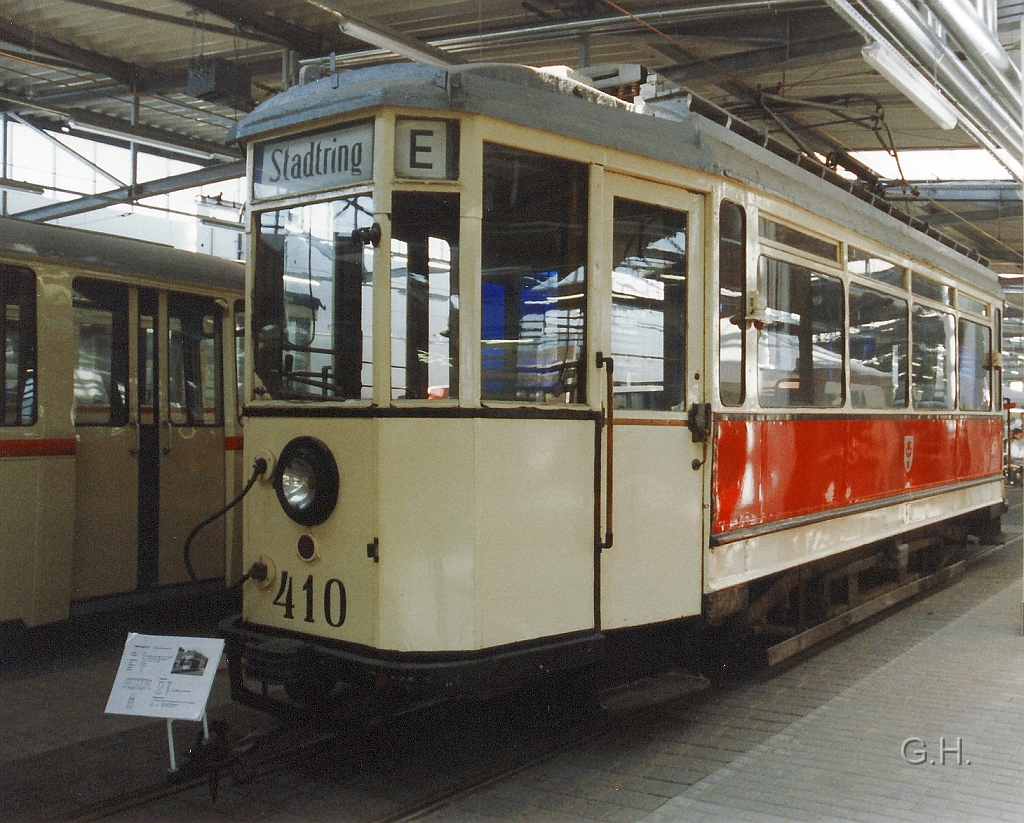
(421, 149)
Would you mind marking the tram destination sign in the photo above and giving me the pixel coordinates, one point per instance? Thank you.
(313, 161)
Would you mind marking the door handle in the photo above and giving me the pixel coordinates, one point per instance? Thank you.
(698, 419)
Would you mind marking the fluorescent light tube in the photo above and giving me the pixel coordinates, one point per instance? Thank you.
(888, 63)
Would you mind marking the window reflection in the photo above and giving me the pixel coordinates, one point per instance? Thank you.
(534, 277)
(424, 296)
(732, 302)
(932, 358)
(18, 329)
(313, 302)
(649, 306)
(878, 349)
(100, 313)
(975, 385)
(194, 374)
(800, 350)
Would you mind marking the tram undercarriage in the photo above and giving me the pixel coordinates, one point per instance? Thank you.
(785, 613)
(747, 626)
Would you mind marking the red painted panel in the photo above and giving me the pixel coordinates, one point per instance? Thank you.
(736, 480)
(980, 443)
(768, 470)
(39, 447)
(234, 443)
(874, 456)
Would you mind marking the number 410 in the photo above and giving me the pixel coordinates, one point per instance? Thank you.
(333, 599)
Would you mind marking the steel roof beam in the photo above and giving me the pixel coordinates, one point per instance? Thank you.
(248, 18)
(123, 129)
(131, 194)
(128, 74)
(185, 22)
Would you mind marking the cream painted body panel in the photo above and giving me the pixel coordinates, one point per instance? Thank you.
(652, 572)
(427, 522)
(340, 543)
(191, 489)
(748, 559)
(106, 511)
(485, 530)
(535, 526)
(35, 541)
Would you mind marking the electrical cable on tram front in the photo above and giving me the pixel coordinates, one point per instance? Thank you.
(259, 467)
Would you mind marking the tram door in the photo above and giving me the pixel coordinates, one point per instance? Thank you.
(652, 571)
(106, 428)
(149, 424)
(192, 468)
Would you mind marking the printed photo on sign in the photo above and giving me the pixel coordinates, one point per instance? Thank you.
(189, 661)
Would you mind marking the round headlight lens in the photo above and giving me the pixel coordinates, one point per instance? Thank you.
(307, 481)
(298, 483)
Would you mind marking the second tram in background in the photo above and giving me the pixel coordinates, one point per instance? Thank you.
(543, 381)
(119, 427)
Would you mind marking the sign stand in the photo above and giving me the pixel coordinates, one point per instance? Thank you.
(167, 677)
(170, 740)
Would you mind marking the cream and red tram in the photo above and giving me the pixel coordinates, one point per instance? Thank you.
(119, 427)
(532, 368)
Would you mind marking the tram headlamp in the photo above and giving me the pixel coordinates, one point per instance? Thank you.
(306, 481)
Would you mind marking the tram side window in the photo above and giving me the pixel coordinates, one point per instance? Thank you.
(732, 302)
(878, 349)
(18, 328)
(975, 383)
(648, 338)
(800, 350)
(534, 277)
(424, 296)
(934, 378)
(194, 378)
(100, 312)
(313, 302)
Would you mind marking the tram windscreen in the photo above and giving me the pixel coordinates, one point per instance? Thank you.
(424, 296)
(313, 302)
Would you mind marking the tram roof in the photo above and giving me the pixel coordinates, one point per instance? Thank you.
(23, 238)
(563, 106)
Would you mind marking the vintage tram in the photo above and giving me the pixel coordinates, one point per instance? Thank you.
(536, 374)
(119, 427)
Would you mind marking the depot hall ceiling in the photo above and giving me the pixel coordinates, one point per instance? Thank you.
(174, 76)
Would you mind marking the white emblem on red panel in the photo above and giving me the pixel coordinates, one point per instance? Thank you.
(908, 452)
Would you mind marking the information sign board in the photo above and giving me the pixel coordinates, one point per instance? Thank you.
(167, 677)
